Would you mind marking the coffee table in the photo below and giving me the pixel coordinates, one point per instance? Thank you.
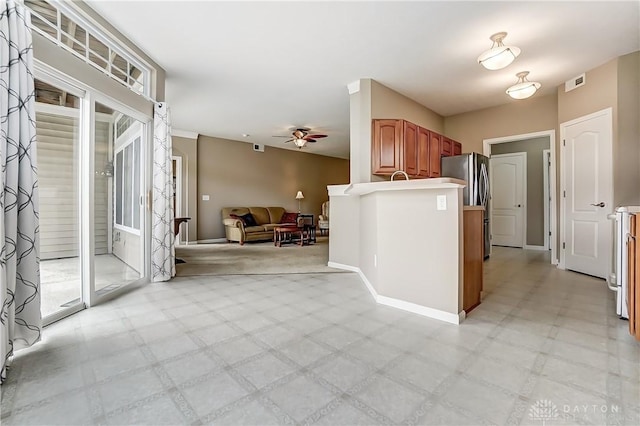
(286, 234)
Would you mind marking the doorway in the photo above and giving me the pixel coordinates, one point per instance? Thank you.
(587, 193)
(538, 235)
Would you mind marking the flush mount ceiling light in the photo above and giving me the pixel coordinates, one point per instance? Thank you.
(523, 88)
(499, 56)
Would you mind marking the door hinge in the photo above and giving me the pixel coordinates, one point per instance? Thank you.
(549, 233)
(563, 246)
(564, 142)
(564, 194)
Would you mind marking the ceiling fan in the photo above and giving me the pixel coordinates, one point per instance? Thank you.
(300, 136)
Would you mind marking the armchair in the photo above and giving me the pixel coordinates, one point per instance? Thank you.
(323, 219)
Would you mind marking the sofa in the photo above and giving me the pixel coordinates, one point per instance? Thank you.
(266, 219)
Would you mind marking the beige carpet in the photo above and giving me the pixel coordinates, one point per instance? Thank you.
(253, 258)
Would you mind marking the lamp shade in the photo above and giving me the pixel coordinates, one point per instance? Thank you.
(299, 142)
(499, 56)
(524, 88)
(299, 195)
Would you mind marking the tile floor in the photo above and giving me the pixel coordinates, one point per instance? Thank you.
(544, 347)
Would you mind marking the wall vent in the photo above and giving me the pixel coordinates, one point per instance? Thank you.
(258, 147)
(575, 82)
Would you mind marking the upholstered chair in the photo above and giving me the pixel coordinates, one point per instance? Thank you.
(323, 219)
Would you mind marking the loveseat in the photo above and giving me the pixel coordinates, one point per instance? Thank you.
(239, 228)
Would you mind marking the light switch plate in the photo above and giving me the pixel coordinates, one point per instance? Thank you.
(441, 202)
(205, 198)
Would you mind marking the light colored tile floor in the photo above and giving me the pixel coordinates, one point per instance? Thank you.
(545, 345)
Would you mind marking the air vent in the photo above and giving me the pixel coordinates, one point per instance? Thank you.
(574, 83)
(258, 147)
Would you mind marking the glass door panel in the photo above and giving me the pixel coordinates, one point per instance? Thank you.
(118, 233)
(57, 133)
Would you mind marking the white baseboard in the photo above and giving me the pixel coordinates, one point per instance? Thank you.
(402, 304)
(540, 248)
(210, 241)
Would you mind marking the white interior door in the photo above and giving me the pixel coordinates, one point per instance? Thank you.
(507, 199)
(587, 193)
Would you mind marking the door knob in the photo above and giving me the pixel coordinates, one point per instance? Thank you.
(600, 204)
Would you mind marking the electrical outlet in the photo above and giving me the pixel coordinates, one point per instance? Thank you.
(441, 202)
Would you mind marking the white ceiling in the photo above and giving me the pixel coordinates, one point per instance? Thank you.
(263, 67)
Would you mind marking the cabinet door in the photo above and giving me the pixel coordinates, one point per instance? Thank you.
(423, 152)
(387, 150)
(446, 147)
(410, 148)
(457, 148)
(435, 142)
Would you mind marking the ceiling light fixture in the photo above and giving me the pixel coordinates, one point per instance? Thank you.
(499, 56)
(523, 88)
(299, 142)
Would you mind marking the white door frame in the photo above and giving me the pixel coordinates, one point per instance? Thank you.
(551, 134)
(608, 112)
(546, 170)
(523, 192)
(178, 212)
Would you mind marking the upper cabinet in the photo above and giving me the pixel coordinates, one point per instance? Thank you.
(402, 145)
(388, 146)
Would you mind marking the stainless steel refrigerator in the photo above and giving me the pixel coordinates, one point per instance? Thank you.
(473, 168)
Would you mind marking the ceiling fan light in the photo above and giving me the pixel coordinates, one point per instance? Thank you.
(299, 142)
(524, 88)
(499, 56)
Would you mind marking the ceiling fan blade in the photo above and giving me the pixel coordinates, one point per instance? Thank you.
(316, 136)
(310, 140)
(290, 140)
(279, 136)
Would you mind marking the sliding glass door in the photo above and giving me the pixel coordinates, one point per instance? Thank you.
(93, 181)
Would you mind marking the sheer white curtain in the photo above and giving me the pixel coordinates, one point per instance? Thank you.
(163, 266)
(20, 317)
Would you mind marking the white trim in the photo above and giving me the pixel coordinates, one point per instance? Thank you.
(546, 160)
(530, 247)
(178, 197)
(87, 198)
(209, 241)
(608, 112)
(184, 134)
(551, 134)
(353, 87)
(402, 304)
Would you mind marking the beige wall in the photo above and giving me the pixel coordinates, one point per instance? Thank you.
(514, 118)
(233, 175)
(387, 103)
(535, 183)
(627, 156)
(187, 149)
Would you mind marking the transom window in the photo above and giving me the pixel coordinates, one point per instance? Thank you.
(65, 27)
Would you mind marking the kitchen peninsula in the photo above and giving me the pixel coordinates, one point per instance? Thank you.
(405, 240)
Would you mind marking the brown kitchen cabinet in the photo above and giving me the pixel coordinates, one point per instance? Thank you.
(401, 145)
(473, 255)
(411, 158)
(446, 149)
(388, 146)
(457, 148)
(435, 142)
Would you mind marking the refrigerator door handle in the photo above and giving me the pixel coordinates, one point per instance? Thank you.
(485, 185)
